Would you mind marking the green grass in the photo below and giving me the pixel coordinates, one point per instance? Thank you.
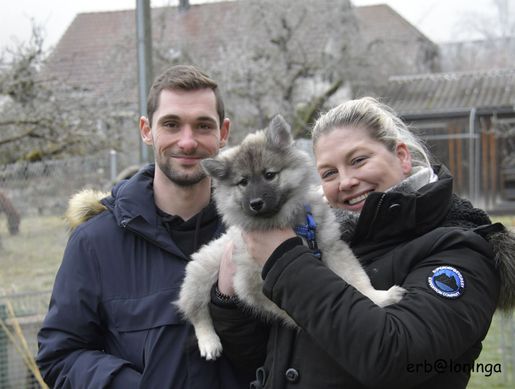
(497, 346)
(497, 351)
(30, 259)
(507, 220)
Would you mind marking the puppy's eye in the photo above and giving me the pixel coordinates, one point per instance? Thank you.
(243, 182)
(270, 175)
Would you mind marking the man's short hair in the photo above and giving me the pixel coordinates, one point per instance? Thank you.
(186, 78)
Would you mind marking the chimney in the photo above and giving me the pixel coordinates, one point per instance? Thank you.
(184, 5)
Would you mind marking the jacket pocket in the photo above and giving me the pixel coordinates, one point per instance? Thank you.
(143, 313)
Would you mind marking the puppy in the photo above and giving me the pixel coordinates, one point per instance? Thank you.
(262, 184)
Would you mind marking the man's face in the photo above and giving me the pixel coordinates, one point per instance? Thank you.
(186, 129)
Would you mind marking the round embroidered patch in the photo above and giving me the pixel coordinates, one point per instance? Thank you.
(447, 281)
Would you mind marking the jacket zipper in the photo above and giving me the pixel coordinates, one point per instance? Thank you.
(379, 204)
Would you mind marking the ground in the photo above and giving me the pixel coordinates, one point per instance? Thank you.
(29, 262)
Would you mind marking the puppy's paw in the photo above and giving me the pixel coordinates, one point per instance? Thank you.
(391, 296)
(210, 347)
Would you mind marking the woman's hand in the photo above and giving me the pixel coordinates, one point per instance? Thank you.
(226, 272)
(261, 244)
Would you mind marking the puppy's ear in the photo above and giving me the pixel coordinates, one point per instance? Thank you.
(215, 168)
(278, 133)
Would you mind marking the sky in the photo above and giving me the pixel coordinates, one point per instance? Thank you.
(440, 20)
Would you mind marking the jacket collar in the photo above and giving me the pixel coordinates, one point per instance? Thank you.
(133, 199)
(132, 204)
(399, 215)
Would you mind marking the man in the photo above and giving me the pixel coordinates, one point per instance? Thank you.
(111, 321)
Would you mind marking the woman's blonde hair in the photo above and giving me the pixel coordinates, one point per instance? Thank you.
(381, 122)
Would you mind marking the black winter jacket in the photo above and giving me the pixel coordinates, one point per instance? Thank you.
(111, 321)
(422, 241)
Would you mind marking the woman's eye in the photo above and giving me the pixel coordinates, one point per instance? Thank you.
(243, 182)
(270, 175)
(327, 174)
(358, 160)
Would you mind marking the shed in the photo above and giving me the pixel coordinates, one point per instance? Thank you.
(468, 121)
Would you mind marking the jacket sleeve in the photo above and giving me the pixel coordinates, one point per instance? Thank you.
(244, 338)
(379, 345)
(71, 339)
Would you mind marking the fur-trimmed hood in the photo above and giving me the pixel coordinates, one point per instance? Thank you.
(130, 205)
(82, 206)
(88, 203)
(503, 245)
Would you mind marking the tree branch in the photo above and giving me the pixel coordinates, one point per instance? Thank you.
(307, 115)
(17, 137)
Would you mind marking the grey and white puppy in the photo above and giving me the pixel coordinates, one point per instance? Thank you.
(262, 184)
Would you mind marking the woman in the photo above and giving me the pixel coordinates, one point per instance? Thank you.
(400, 218)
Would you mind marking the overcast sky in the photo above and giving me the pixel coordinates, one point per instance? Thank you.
(440, 20)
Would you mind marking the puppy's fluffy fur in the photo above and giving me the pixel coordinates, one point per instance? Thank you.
(262, 184)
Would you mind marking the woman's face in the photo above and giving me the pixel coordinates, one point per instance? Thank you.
(351, 165)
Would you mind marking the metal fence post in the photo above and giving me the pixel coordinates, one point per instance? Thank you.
(512, 345)
(502, 346)
(508, 348)
(113, 164)
(4, 353)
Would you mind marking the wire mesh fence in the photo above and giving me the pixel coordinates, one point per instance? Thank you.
(20, 318)
(33, 198)
(43, 188)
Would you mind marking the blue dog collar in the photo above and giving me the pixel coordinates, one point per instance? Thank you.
(308, 232)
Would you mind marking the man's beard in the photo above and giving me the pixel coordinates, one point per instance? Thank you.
(181, 179)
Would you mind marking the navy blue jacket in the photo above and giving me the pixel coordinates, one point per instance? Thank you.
(111, 321)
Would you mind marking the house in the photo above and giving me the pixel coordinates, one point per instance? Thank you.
(84, 54)
(468, 120)
(98, 50)
(394, 44)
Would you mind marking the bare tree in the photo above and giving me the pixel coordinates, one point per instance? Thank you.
(269, 56)
(493, 45)
(294, 57)
(43, 117)
(289, 57)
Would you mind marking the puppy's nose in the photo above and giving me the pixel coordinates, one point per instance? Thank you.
(257, 204)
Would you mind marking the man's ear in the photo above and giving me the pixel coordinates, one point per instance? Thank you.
(215, 168)
(145, 131)
(225, 129)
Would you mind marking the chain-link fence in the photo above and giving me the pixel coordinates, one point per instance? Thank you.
(33, 198)
(20, 318)
(43, 188)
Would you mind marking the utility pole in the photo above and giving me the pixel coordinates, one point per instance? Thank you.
(184, 5)
(144, 42)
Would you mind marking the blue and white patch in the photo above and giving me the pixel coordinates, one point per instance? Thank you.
(447, 281)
